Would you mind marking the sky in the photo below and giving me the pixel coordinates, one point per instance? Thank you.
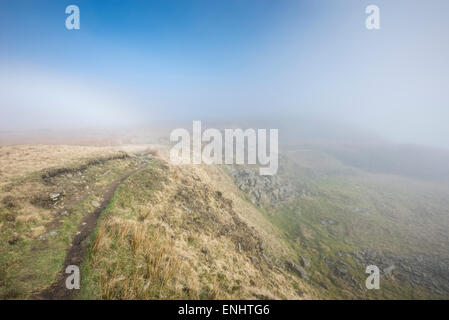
(137, 62)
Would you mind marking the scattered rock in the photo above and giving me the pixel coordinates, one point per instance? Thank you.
(340, 271)
(10, 217)
(264, 190)
(298, 270)
(426, 270)
(48, 235)
(361, 211)
(304, 261)
(54, 196)
(328, 222)
(389, 270)
(10, 202)
(323, 285)
(185, 208)
(254, 260)
(14, 239)
(95, 204)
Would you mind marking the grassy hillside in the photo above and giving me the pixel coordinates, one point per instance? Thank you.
(168, 234)
(340, 213)
(141, 228)
(42, 209)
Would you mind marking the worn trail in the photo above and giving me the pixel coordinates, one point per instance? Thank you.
(77, 250)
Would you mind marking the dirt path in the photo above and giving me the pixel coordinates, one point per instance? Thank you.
(77, 250)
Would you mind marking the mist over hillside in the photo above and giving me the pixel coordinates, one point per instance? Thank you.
(353, 146)
(132, 152)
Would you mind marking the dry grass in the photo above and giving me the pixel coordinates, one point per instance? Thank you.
(171, 235)
(18, 161)
(170, 232)
(153, 151)
(139, 266)
(27, 212)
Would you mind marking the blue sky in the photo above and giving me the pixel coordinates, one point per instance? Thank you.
(133, 61)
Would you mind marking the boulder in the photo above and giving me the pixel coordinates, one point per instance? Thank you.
(304, 261)
(48, 235)
(298, 270)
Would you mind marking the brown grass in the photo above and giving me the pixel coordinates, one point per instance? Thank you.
(27, 212)
(170, 235)
(139, 268)
(18, 161)
(152, 151)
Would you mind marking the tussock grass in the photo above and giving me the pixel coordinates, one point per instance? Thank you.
(135, 262)
(130, 258)
(169, 235)
(28, 262)
(18, 161)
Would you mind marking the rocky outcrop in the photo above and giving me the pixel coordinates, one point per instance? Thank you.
(304, 261)
(340, 271)
(298, 270)
(48, 235)
(265, 190)
(425, 270)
